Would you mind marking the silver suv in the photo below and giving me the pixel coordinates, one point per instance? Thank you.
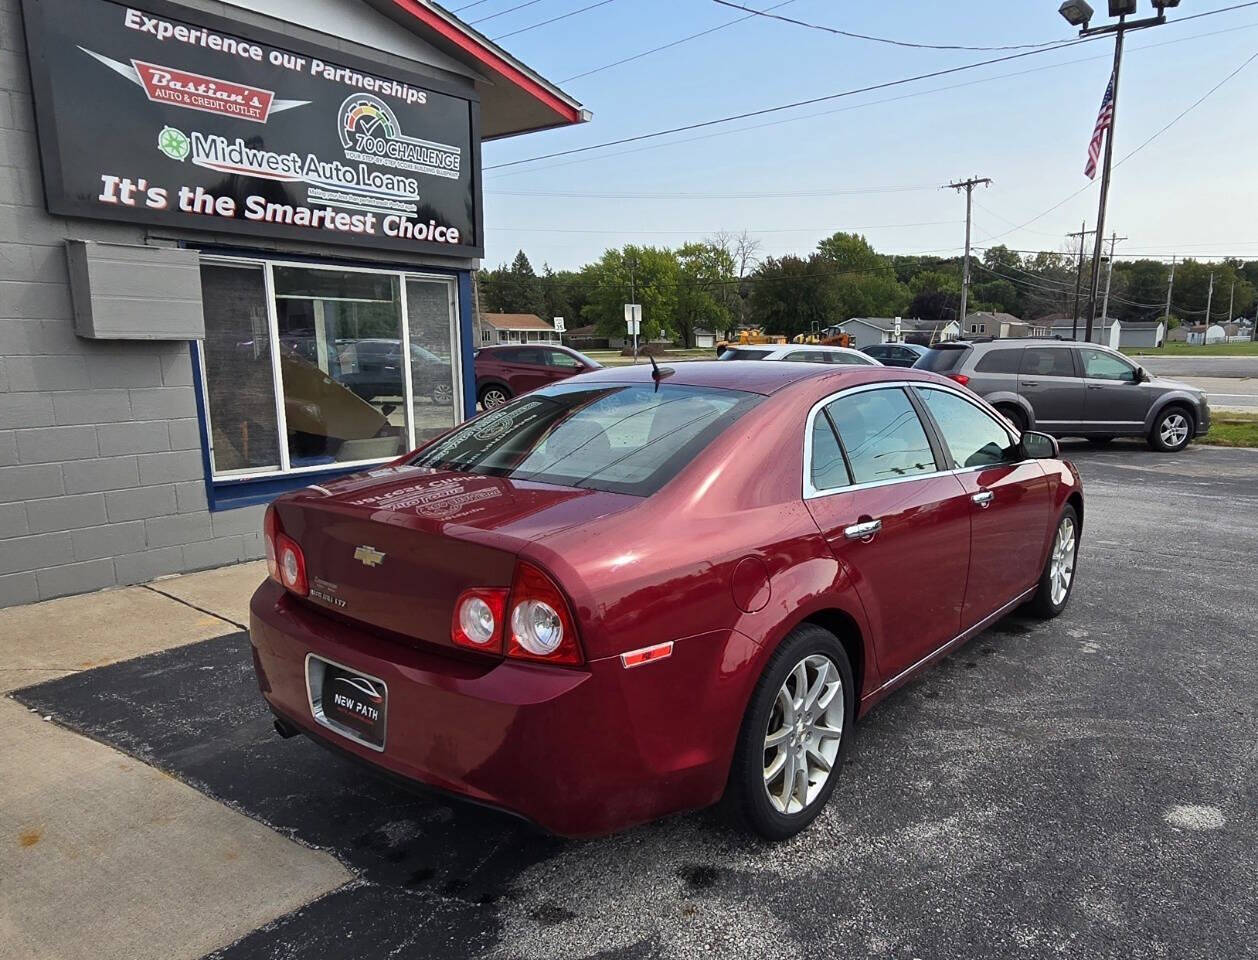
(1074, 389)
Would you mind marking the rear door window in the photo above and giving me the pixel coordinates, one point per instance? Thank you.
(1047, 362)
(1002, 360)
(942, 359)
(624, 438)
(882, 435)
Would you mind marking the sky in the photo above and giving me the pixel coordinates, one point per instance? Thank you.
(873, 163)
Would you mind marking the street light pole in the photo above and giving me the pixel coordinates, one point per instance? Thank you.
(1105, 176)
(1079, 13)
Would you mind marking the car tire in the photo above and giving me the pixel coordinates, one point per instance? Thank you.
(493, 395)
(1172, 430)
(1014, 416)
(800, 659)
(1058, 579)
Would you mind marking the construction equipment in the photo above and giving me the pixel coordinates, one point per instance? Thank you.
(749, 337)
(835, 340)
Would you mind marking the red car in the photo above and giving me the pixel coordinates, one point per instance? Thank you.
(509, 370)
(630, 594)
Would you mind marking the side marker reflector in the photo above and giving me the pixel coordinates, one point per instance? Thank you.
(636, 658)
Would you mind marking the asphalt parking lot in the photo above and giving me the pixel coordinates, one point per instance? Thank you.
(1082, 788)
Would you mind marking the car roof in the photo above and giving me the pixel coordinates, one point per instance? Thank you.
(752, 376)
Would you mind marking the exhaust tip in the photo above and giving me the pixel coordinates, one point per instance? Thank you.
(284, 729)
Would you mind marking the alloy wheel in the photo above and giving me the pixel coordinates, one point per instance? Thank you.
(493, 398)
(442, 394)
(1062, 568)
(802, 738)
(1174, 429)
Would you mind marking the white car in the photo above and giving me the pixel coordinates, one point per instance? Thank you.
(806, 352)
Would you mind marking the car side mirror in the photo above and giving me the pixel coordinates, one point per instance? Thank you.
(1040, 446)
(1141, 375)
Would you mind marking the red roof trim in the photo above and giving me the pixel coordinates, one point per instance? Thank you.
(489, 58)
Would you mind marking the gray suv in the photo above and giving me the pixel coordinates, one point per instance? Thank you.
(1073, 389)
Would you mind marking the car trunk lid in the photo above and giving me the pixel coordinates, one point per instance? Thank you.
(393, 548)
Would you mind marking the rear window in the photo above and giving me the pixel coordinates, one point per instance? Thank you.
(1003, 360)
(742, 353)
(623, 438)
(942, 359)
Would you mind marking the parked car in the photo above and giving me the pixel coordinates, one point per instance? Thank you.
(503, 372)
(634, 592)
(1074, 389)
(800, 353)
(895, 354)
(373, 368)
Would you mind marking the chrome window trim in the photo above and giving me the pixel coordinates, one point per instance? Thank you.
(810, 492)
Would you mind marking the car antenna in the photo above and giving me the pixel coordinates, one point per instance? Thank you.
(658, 373)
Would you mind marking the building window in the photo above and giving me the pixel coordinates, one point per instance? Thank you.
(309, 367)
(486, 335)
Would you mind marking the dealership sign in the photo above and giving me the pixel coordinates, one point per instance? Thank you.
(146, 116)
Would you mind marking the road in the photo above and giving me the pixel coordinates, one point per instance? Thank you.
(1173, 366)
(1085, 787)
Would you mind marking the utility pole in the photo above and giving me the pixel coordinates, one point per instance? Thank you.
(1231, 301)
(1209, 299)
(1083, 232)
(1170, 288)
(1109, 276)
(968, 186)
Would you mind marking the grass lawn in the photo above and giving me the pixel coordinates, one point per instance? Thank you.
(1233, 430)
(1195, 350)
(612, 358)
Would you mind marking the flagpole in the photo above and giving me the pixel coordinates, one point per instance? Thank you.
(1105, 172)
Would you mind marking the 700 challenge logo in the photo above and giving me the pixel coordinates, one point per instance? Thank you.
(370, 133)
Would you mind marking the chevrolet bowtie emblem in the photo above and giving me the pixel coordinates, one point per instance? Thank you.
(368, 556)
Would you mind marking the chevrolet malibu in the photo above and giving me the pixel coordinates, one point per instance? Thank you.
(638, 592)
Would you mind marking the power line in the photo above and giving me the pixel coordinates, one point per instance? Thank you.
(894, 43)
(830, 228)
(562, 16)
(787, 106)
(869, 103)
(1196, 103)
(666, 46)
(857, 191)
(503, 13)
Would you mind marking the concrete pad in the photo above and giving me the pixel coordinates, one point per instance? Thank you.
(225, 591)
(40, 640)
(105, 858)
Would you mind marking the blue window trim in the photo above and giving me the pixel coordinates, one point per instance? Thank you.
(228, 494)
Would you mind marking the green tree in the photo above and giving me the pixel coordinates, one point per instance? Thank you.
(789, 294)
(704, 280)
(648, 274)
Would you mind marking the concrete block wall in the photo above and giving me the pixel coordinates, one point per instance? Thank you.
(101, 476)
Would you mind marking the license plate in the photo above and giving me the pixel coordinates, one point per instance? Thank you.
(349, 702)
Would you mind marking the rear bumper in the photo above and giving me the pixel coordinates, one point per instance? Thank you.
(580, 752)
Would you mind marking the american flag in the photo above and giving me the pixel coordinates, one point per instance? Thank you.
(1103, 120)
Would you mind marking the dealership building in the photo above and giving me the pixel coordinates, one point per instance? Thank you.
(236, 244)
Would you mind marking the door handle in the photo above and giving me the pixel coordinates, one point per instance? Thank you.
(863, 531)
(1030, 383)
(1096, 386)
(983, 498)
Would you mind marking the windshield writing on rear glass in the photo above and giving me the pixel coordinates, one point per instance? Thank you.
(625, 438)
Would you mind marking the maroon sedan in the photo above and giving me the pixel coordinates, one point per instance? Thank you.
(629, 594)
(507, 371)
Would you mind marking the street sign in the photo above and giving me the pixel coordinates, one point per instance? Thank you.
(633, 318)
(897, 330)
(559, 326)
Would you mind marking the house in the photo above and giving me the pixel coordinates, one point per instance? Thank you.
(1141, 333)
(1001, 325)
(866, 331)
(516, 328)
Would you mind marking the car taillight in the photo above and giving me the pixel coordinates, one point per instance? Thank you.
(270, 527)
(285, 563)
(540, 625)
(479, 614)
(960, 378)
(531, 621)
